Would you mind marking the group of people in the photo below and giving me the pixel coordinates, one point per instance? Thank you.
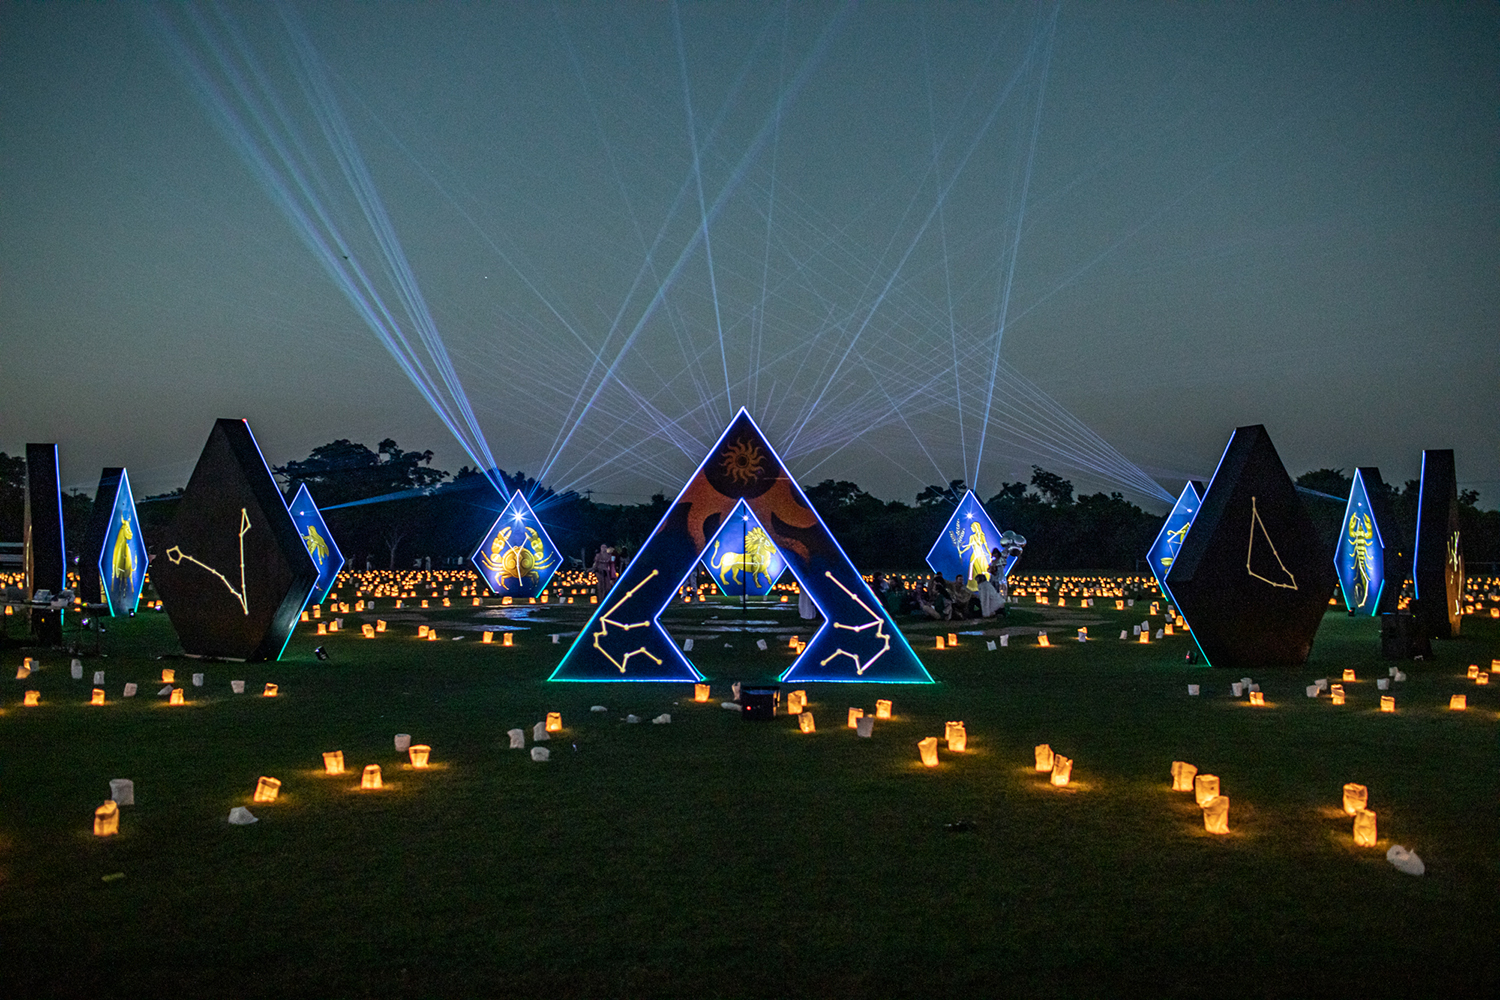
(607, 565)
(983, 596)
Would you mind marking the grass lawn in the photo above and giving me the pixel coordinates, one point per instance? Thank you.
(717, 857)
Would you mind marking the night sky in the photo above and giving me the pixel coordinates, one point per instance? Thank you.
(1119, 230)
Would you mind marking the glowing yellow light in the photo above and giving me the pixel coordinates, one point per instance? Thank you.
(1257, 698)
(940, 643)
(1349, 674)
(796, 702)
(168, 676)
(928, 750)
(1182, 776)
(266, 789)
(107, 819)
(1356, 797)
(1458, 703)
(1364, 828)
(1062, 770)
(418, 753)
(176, 697)
(507, 639)
(1387, 703)
(371, 777)
(269, 692)
(956, 737)
(1216, 814)
(31, 698)
(98, 697)
(554, 722)
(379, 625)
(367, 630)
(855, 714)
(1044, 757)
(333, 761)
(1205, 787)
(805, 721)
(883, 708)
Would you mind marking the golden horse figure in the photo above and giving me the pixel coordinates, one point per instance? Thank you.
(122, 560)
(518, 562)
(757, 560)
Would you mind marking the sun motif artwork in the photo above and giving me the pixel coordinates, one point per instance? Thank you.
(743, 462)
(516, 557)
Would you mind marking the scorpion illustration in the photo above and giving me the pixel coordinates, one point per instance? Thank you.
(1360, 535)
(518, 562)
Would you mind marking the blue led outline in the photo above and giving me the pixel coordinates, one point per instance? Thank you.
(1416, 550)
(703, 559)
(1206, 490)
(656, 617)
(1161, 581)
(123, 490)
(517, 516)
(1359, 485)
(1010, 560)
(300, 548)
(318, 521)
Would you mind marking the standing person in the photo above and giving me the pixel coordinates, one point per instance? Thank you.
(604, 576)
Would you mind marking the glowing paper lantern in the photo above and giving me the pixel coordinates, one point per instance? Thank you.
(266, 789)
(883, 709)
(333, 762)
(940, 644)
(1387, 703)
(1041, 639)
(98, 698)
(1205, 787)
(176, 697)
(367, 630)
(805, 721)
(795, 701)
(1457, 703)
(1216, 814)
(1062, 770)
(371, 777)
(322, 628)
(507, 639)
(1364, 828)
(380, 625)
(956, 736)
(107, 819)
(1257, 698)
(855, 714)
(418, 754)
(1182, 776)
(31, 698)
(168, 676)
(422, 631)
(269, 692)
(953, 640)
(1473, 671)
(554, 722)
(1349, 674)
(1145, 637)
(928, 750)
(1044, 757)
(701, 693)
(487, 638)
(1483, 679)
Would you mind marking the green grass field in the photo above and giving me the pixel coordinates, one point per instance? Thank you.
(717, 857)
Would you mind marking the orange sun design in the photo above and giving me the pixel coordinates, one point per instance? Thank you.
(742, 462)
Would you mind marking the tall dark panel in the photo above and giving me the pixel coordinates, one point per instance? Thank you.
(231, 569)
(1438, 571)
(46, 562)
(1251, 577)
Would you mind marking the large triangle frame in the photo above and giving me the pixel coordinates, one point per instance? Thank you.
(624, 639)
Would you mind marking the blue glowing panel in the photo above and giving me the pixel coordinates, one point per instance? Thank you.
(625, 641)
(967, 543)
(1359, 557)
(319, 541)
(742, 559)
(1169, 539)
(516, 558)
(112, 571)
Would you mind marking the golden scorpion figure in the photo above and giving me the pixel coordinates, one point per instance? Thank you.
(1360, 536)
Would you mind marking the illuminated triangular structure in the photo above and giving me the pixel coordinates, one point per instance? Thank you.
(1252, 578)
(516, 557)
(735, 572)
(964, 547)
(113, 568)
(1368, 556)
(1438, 569)
(318, 540)
(1164, 550)
(624, 641)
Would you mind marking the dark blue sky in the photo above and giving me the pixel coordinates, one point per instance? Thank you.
(1171, 219)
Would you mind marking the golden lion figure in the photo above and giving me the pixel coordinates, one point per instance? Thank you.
(757, 560)
(518, 562)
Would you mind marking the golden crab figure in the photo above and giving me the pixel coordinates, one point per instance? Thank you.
(518, 562)
(743, 461)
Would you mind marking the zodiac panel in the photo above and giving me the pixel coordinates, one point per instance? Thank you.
(112, 570)
(318, 540)
(1164, 550)
(1252, 577)
(1367, 558)
(742, 558)
(1438, 570)
(624, 640)
(231, 568)
(516, 558)
(44, 553)
(967, 543)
